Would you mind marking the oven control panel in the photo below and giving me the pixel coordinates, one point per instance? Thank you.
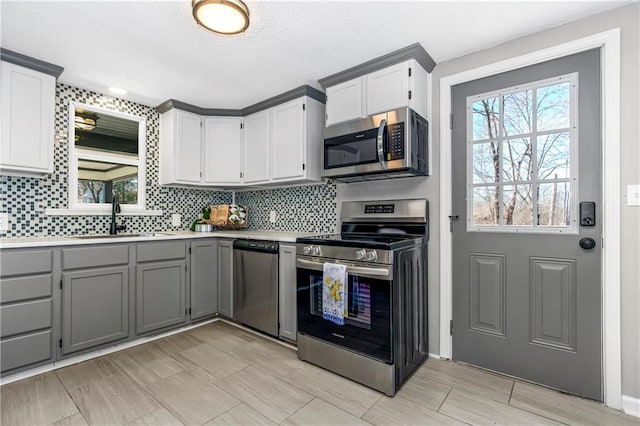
(368, 255)
(312, 250)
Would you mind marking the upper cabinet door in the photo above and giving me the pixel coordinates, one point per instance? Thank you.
(288, 140)
(388, 89)
(222, 150)
(188, 147)
(28, 108)
(344, 102)
(256, 147)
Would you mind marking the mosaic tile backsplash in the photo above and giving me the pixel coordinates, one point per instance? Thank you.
(298, 209)
(302, 209)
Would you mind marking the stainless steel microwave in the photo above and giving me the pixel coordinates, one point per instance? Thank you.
(387, 145)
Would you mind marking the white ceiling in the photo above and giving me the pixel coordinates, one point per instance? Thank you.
(155, 50)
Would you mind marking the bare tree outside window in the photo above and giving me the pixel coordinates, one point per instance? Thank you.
(520, 156)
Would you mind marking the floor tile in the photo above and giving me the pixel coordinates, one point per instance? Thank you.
(176, 343)
(321, 413)
(422, 391)
(566, 408)
(468, 378)
(474, 409)
(38, 400)
(337, 390)
(398, 411)
(210, 362)
(191, 398)
(271, 397)
(241, 414)
(75, 420)
(115, 399)
(159, 417)
(86, 372)
(146, 364)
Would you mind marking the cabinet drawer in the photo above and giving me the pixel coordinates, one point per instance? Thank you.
(25, 262)
(23, 288)
(91, 257)
(25, 350)
(161, 251)
(25, 317)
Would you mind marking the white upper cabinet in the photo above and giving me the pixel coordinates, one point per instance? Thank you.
(344, 102)
(28, 110)
(398, 86)
(180, 148)
(256, 148)
(296, 140)
(222, 150)
(387, 89)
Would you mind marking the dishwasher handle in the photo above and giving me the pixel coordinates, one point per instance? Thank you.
(260, 246)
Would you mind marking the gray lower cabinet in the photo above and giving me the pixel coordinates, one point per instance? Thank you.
(95, 307)
(225, 278)
(287, 303)
(160, 295)
(204, 278)
(26, 309)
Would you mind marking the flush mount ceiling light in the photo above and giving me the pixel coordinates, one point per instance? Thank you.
(117, 90)
(85, 120)
(221, 16)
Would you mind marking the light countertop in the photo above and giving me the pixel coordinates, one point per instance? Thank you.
(288, 237)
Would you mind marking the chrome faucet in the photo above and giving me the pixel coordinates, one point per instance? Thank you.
(115, 208)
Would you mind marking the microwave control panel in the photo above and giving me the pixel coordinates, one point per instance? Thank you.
(395, 149)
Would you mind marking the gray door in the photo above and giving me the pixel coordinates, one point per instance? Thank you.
(225, 278)
(204, 278)
(160, 295)
(526, 154)
(95, 307)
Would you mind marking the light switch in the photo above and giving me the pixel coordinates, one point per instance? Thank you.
(4, 221)
(175, 219)
(633, 195)
(272, 216)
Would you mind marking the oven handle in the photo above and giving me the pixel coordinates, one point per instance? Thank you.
(360, 270)
(380, 141)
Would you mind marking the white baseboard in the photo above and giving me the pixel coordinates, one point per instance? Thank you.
(631, 405)
(434, 356)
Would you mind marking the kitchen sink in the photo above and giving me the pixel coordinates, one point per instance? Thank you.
(107, 236)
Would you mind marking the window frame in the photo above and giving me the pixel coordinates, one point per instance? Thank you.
(572, 179)
(76, 154)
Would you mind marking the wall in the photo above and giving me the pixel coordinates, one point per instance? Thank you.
(627, 19)
(26, 198)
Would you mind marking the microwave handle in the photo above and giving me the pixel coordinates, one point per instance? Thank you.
(380, 141)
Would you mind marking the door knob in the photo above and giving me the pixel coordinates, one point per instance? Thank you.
(587, 243)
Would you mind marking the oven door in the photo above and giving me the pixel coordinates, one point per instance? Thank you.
(367, 328)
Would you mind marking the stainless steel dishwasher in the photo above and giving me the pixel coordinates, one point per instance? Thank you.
(255, 284)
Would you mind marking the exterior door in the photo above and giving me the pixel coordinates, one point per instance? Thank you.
(526, 285)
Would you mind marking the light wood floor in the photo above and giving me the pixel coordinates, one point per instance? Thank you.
(221, 375)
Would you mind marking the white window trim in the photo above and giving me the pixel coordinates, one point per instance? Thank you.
(609, 42)
(76, 208)
(572, 78)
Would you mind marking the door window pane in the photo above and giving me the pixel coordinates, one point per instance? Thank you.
(485, 162)
(521, 162)
(554, 200)
(553, 107)
(553, 154)
(486, 204)
(486, 117)
(516, 160)
(517, 109)
(517, 205)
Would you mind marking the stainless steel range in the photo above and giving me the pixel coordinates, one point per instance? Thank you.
(384, 336)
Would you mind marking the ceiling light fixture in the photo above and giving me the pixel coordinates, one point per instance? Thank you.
(117, 90)
(221, 16)
(85, 123)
